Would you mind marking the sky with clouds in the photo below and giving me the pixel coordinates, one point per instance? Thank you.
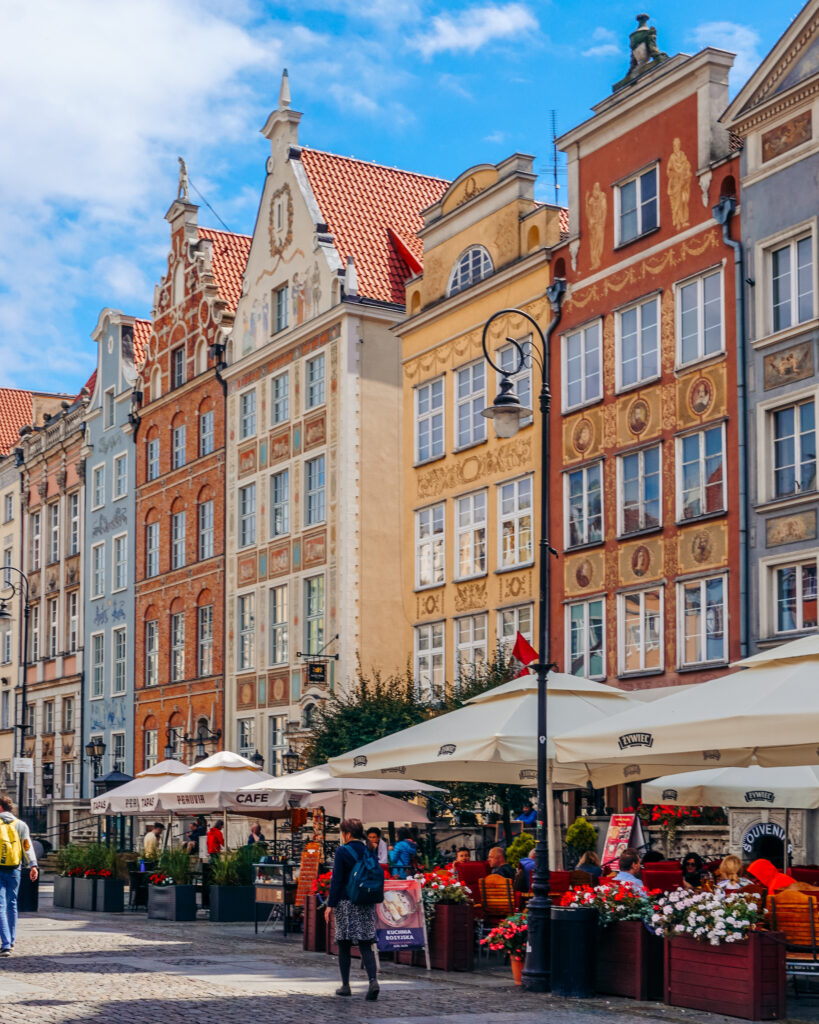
(98, 97)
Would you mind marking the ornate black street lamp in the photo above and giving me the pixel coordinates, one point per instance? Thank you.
(258, 760)
(203, 735)
(507, 413)
(290, 761)
(19, 588)
(95, 752)
(170, 746)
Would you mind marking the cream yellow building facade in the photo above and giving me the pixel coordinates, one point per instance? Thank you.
(468, 521)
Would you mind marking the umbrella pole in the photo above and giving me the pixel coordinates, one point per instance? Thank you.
(785, 864)
(550, 816)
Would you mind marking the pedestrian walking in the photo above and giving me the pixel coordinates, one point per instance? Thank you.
(15, 849)
(356, 886)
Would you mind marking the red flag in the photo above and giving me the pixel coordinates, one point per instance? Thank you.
(523, 654)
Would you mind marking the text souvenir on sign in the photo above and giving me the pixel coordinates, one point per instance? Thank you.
(400, 923)
(308, 872)
(624, 831)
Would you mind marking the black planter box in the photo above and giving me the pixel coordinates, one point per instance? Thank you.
(232, 903)
(172, 902)
(110, 895)
(63, 891)
(85, 894)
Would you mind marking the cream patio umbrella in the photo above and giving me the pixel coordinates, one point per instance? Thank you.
(368, 806)
(137, 796)
(767, 713)
(791, 788)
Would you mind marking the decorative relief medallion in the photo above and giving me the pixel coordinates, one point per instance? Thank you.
(701, 396)
(469, 191)
(505, 458)
(315, 432)
(281, 220)
(638, 416)
(430, 603)
(791, 365)
(790, 529)
(246, 693)
(702, 547)
(584, 573)
(786, 137)
(247, 460)
(513, 587)
(278, 560)
(280, 447)
(582, 436)
(246, 570)
(278, 689)
(470, 595)
(640, 560)
(315, 549)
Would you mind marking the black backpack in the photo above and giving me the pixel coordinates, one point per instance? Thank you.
(365, 886)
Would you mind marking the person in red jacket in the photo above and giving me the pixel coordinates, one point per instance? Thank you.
(216, 838)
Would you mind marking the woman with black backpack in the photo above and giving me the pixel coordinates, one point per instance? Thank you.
(356, 887)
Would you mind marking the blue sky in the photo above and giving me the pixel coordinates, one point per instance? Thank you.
(98, 97)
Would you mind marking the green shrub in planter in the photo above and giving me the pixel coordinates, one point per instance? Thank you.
(521, 846)
(232, 893)
(581, 836)
(176, 864)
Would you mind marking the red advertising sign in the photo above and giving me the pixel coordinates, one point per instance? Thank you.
(624, 831)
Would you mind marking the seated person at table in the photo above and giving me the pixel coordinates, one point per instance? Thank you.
(652, 857)
(378, 846)
(730, 874)
(403, 855)
(255, 836)
(198, 829)
(216, 838)
(629, 873)
(764, 871)
(528, 815)
(496, 859)
(590, 863)
(694, 873)
(150, 844)
(463, 856)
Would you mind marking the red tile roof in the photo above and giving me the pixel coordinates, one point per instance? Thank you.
(564, 221)
(92, 380)
(16, 410)
(142, 335)
(361, 203)
(229, 262)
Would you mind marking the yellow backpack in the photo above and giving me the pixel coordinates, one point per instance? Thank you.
(11, 849)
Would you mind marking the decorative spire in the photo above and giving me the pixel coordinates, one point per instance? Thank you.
(284, 91)
(645, 54)
(350, 278)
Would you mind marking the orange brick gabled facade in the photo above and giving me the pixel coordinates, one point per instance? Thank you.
(180, 452)
(644, 428)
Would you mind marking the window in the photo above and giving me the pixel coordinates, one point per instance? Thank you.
(48, 716)
(278, 743)
(178, 446)
(429, 420)
(74, 523)
(280, 399)
(151, 747)
(247, 515)
(8, 508)
(637, 206)
(152, 449)
(177, 540)
(246, 614)
(794, 449)
(582, 361)
(792, 283)
(702, 609)
(110, 417)
(470, 401)
(8, 555)
(121, 475)
(206, 530)
(641, 631)
(796, 597)
(206, 433)
(315, 381)
(700, 318)
(470, 531)
(5, 644)
(120, 656)
(585, 640)
(177, 647)
(68, 780)
(54, 532)
(152, 652)
(5, 710)
(53, 626)
(246, 733)
(515, 500)
(98, 570)
(178, 367)
(280, 308)
(508, 360)
(639, 340)
(278, 625)
(120, 553)
(429, 546)
(429, 661)
(98, 487)
(472, 266)
(68, 714)
(315, 491)
(701, 489)
(35, 632)
(512, 621)
(640, 490)
(470, 645)
(98, 665)
(314, 614)
(280, 503)
(73, 621)
(118, 752)
(35, 540)
(30, 719)
(152, 549)
(247, 414)
(584, 498)
(204, 640)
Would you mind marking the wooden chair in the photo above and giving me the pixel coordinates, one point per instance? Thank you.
(581, 878)
(559, 882)
(809, 875)
(667, 879)
(497, 902)
(796, 915)
(470, 874)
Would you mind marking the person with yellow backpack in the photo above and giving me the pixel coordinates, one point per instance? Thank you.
(15, 847)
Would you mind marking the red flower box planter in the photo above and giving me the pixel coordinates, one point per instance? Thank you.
(740, 979)
(314, 936)
(451, 938)
(629, 961)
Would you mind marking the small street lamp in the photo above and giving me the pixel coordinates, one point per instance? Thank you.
(95, 752)
(20, 587)
(170, 746)
(507, 412)
(203, 735)
(258, 760)
(290, 761)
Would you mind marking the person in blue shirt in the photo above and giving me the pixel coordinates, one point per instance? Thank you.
(629, 873)
(403, 854)
(528, 815)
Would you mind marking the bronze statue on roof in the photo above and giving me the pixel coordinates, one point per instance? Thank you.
(645, 54)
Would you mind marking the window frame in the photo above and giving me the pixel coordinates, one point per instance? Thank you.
(179, 446)
(703, 484)
(523, 376)
(641, 454)
(206, 433)
(438, 656)
(462, 277)
(247, 414)
(433, 414)
(152, 471)
(621, 631)
(119, 567)
(246, 516)
(246, 632)
(205, 520)
(281, 308)
(584, 470)
(642, 232)
(795, 401)
(436, 513)
(53, 532)
(97, 571)
(798, 561)
(204, 640)
(53, 609)
(152, 532)
(471, 644)
(279, 400)
(109, 409)
(317, 617)
(315, 388)
(35, 548)
(178, 539)
(73, 615)
(119, 658)
(98, 486)
(516, 515)
(278, 627)
(178, 374)
(279, 507)
(472, 529)
(515, 610)
(74, 523)
(638, 306)
(475, 425)
(582, 331)
(699, 280)
(97, 660)
(313, 517)
(792, 245)
(701, 582)
(120, 472)
(151, 652)
(177, 647)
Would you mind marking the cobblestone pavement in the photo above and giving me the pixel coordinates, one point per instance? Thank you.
(93, 968)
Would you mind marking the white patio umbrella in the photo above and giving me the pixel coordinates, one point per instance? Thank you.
(137, 796)
(368, 806)
(766, 714)
(794, 787)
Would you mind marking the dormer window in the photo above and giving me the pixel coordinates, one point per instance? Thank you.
(473, 265)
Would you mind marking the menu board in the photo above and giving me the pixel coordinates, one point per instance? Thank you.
(624, 831)
(400, 921)
(308, 871)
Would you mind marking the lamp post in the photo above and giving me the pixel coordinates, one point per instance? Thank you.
(258, 760)
(507, 412)
(170, 746)
(19, 588)
(203, 735)
(290, 761)
(95, 752)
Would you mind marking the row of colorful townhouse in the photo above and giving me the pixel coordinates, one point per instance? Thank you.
(284, 472)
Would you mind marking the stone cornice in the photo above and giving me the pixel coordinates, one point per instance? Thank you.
(775, 108)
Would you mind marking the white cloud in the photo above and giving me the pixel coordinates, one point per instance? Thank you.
(739, 39)
(125, 279)
(495, 137)
(453, 84)
(606, 44)
(473, 28)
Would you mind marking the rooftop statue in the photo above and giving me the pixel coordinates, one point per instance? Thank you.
(645, 55)
(182, 188)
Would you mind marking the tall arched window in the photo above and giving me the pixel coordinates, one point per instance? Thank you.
(472, 266)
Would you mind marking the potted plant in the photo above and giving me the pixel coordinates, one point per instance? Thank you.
(629, 956)
(315, 928)
(171, 896)
(232, 892)
(581, 836)
(716, 958)
(68, 866)
(510, 936)
(521, 846)
(448, 913)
